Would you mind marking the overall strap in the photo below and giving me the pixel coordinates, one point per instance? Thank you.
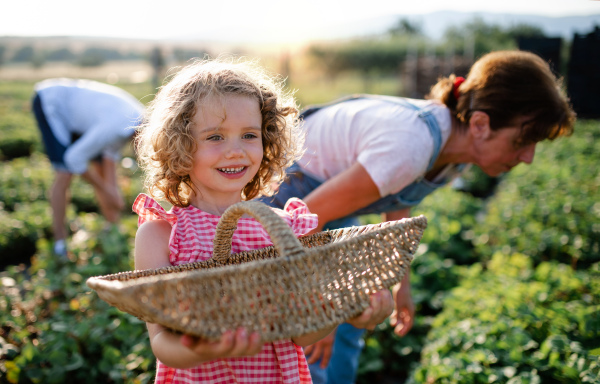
(315, 107)
(436, 133)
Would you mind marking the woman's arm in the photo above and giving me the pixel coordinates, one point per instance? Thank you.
(403, 317)
(175, 350)
(397, 215)
(342, 195)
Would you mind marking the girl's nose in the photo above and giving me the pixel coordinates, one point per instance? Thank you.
(527, 154)
(235, 149)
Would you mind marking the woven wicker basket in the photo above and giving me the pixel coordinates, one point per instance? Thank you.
(318, 281)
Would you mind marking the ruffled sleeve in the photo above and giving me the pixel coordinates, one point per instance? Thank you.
(149, 209)
(299, 218)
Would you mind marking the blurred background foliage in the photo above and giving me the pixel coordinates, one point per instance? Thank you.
(506, 280)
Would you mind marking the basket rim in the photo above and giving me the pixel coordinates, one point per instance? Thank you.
(142, 281)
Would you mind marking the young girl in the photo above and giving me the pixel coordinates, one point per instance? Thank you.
(218, 133)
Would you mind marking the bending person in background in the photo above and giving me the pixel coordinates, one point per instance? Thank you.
(380, 154)
(84, 124)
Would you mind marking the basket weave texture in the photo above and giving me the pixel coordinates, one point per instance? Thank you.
(292, 288)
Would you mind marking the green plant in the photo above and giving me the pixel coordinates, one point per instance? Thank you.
(513, 323)
(25, 180)
(549, 209)
(55, 330)
(451, 220)
(21, 229)
(18, 133)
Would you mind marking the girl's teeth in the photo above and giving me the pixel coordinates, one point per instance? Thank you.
(231, 170)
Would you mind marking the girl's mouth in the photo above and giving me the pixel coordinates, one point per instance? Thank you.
(231, 171)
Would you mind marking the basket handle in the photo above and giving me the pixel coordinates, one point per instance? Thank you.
(281, 234)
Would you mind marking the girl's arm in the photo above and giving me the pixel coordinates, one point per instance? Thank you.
(175, 350)
(342, 195)
(185, 351)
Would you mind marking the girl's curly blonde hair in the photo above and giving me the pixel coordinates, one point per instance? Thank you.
(165, 144)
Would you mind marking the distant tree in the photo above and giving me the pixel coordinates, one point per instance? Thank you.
(369, 57)
(23, 54)
(104, 53)
(61, 54)
(2, 53)
(157, 61)
(133, 55)
(406, 27)
(27, 54)
(96, 56)
(489, 37)
(91, 59)
(183, 55)
(38, 60)
(327, 58)
(386, 54)
(525, 30)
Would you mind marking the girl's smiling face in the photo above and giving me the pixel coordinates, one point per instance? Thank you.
(228, 133)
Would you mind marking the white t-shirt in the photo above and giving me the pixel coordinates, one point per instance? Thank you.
(103, 115)
(391, 141)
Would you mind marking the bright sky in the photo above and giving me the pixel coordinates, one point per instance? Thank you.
(277, 20)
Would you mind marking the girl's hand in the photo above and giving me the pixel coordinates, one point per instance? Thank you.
(231, 344)
(382, 305)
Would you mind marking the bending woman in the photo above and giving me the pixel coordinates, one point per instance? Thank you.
(380, 154)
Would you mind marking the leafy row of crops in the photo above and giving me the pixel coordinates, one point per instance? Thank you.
(507, 288)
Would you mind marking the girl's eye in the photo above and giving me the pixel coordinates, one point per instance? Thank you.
(250, 136)
(213, 138)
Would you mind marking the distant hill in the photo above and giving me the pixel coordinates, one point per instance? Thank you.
(433, 24)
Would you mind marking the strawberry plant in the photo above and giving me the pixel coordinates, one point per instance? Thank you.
(513, 323)
(549, 210)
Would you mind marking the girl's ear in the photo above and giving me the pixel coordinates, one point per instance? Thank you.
(479, 125)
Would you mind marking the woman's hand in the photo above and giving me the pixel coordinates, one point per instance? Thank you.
(321, 350)
(403, 317)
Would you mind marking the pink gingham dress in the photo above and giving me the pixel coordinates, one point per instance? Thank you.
(191, 240)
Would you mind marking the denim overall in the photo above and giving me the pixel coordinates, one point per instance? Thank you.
(348, 339)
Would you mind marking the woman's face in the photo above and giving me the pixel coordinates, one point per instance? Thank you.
(500, 150)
